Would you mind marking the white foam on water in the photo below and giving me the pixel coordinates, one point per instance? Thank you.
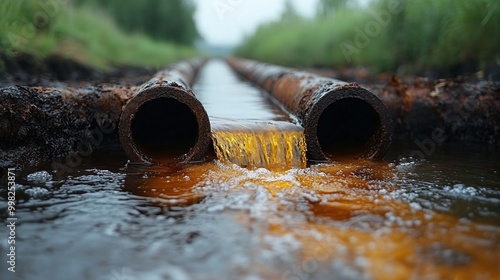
(37, 192)
(461, 190)
(39, 176)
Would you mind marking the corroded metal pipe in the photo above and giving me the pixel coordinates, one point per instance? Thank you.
(340, 119)
(164, 121)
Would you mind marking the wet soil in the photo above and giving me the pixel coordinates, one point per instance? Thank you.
(26, 70)
(455, 109)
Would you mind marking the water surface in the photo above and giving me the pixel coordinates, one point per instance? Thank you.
(431, 219)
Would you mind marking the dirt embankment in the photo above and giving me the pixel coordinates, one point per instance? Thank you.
(463, 111)
(46, 123)
(51, 109)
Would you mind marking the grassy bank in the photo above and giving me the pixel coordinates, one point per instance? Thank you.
(395, 35)
(86, 35)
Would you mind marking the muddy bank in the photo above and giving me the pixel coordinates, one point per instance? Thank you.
(44, 124)
(456, 109)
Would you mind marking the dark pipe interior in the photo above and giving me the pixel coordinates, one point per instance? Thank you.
(346, 126)
(164, 128)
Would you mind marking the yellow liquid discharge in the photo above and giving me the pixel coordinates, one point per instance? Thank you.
(253, 145)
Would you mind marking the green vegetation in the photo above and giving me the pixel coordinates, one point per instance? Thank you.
(83, 33)
(405, 35)
(170, 20)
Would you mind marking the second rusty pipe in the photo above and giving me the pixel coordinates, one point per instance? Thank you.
(340, 119)
(164, 121)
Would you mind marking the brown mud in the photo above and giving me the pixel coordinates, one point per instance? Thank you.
(48, 123)
(455, 108)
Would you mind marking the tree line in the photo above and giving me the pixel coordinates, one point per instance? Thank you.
(170, 20)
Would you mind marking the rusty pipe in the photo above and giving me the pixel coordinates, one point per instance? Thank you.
(164, 122)
(340, 119)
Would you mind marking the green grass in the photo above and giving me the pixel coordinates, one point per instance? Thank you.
(53, 27)
(425, 34)
(311, 42)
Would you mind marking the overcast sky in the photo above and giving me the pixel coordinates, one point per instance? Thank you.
(226, 22)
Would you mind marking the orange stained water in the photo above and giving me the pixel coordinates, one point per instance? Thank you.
(349, 215)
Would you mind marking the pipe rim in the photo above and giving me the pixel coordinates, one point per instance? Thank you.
(376, 145)
(201, 146)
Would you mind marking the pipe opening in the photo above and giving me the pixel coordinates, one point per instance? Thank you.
(164, 128)
(346, 126)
